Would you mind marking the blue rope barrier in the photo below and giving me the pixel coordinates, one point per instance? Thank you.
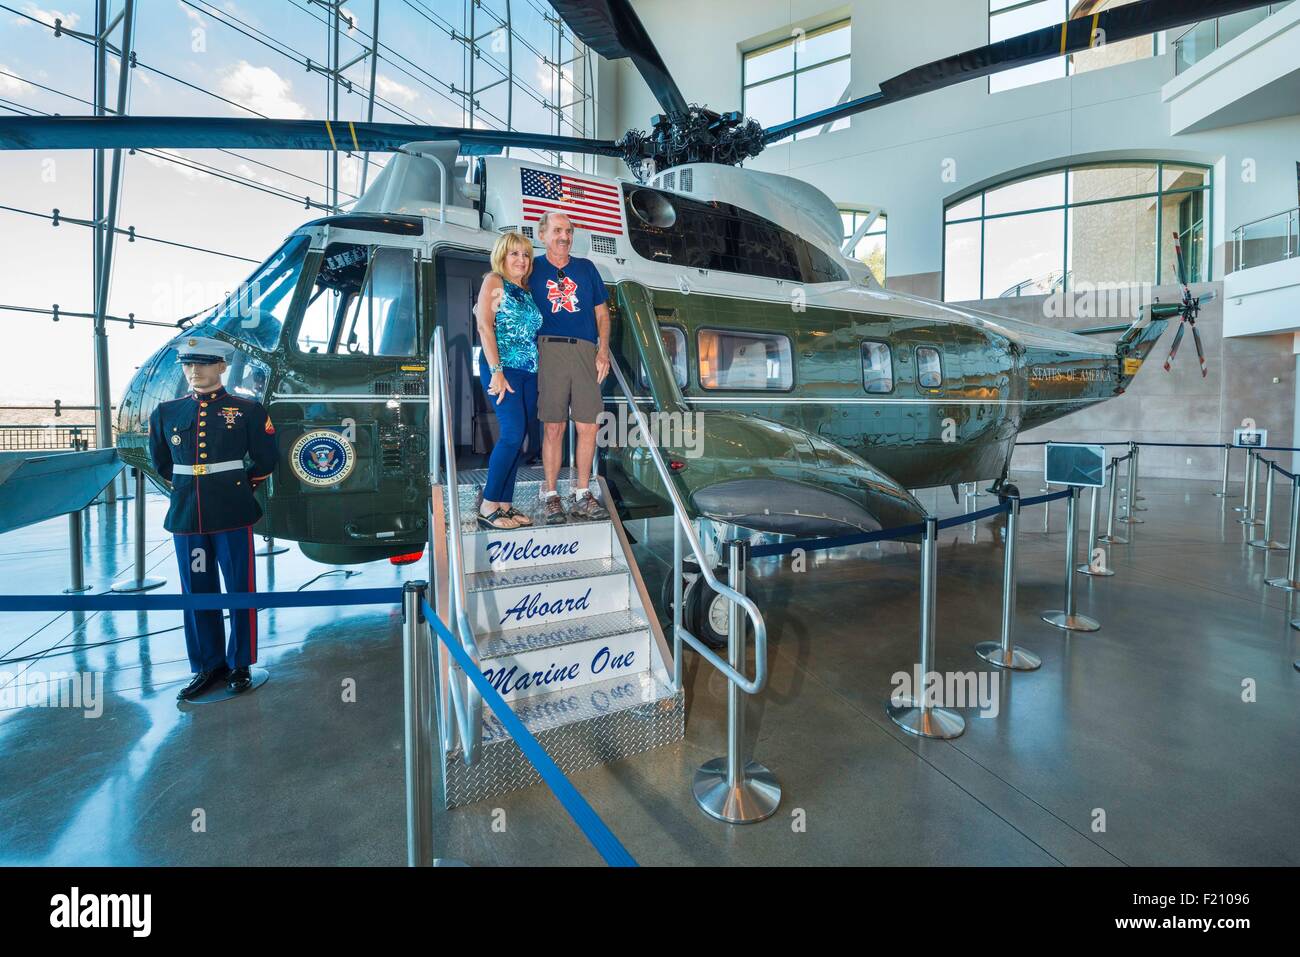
(1040, 499)
(601, 837)
(1277, 468)
(974, 516)
(259, 599)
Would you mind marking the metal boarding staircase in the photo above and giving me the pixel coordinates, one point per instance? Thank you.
(558, 619)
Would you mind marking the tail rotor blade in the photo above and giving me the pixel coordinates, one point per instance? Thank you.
(1200, 352)
(1173, 350)
(1182, 265)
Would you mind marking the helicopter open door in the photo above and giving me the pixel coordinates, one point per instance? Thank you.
(351, 410)
(458, 273)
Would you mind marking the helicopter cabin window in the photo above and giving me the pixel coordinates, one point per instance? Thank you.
(255, 312)
(929, 370)
(877, 368)
(699, 234)
(363, 303)
(745, 360)
(675, 345)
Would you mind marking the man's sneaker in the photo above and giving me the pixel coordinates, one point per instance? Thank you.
(553, 509)
(586, 507)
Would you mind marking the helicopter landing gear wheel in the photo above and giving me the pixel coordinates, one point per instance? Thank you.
(704, 611)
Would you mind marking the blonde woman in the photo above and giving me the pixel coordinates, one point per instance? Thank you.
(508, 321)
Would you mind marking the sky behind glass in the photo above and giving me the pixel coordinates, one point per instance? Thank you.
(237, 57)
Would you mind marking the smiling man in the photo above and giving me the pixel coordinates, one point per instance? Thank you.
(199, 443)
(572, 359)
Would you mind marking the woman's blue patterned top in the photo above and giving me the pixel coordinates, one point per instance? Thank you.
(517, 323)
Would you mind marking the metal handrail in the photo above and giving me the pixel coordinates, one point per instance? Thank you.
(682, 525)
(464, 700)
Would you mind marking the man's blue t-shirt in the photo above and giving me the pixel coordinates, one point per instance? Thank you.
(568, 304)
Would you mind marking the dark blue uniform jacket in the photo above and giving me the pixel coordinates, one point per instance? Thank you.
(205, 429)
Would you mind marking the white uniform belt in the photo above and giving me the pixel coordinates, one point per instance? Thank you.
(208, 469)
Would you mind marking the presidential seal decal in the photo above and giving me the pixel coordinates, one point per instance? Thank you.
(322, 457)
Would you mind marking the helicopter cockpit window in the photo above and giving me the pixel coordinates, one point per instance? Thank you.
(669, 228)
(675, 345)
(247, 377)
(745, 360)
(877, 368)
(255, 312)
(929, 371)
(363, 303)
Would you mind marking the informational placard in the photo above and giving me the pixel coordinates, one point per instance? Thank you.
(1249, 438)
(1074, 464)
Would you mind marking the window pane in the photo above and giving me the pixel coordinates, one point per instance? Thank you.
(1109, 54)
(877, 368)
(964, 210)
(961, 262)
(1113, 243)
(879, 225)
(745, 360)
(1106, 182)
(1184, 177)
(870, 250)
(1184, 214)
(675, 345)
(818, 89)
(1035, 193)
(771, 103)
(769, 63)
(1023, 254)
(929, 371)
(256, 311)
(1024, 20)
(818, 47)
(381, 321)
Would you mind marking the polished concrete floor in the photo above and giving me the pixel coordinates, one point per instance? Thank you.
(1168, 737)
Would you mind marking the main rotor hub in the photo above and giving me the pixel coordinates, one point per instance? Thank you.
(700, 135)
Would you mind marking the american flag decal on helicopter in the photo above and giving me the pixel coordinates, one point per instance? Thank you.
(588, 204)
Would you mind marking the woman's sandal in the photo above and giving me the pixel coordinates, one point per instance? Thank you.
(490, 520)
(521, 518)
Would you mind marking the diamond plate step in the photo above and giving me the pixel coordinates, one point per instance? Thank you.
(580, 728)
(543, 574)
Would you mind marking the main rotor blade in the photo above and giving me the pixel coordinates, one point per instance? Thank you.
(1086, 32)
(230, 132)
(612, 29)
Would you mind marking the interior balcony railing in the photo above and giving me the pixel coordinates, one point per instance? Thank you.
(1268, 240)
(1201, 39)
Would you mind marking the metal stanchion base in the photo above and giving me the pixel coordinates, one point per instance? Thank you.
(1239, 508)
(925, 722)
(1130, 520)
(1112, 540)
(1268, 544)
(131, 585)
(1220, 494)
(264, 551)
(1102, 572)
(1017, 659)
(1285, 584)
(754, 799)
(76, 591)
(1071, 622)
(1250, 522)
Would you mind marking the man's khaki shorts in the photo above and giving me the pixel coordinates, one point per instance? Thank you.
(566, 379)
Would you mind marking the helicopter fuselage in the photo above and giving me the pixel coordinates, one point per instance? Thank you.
(814, 405)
